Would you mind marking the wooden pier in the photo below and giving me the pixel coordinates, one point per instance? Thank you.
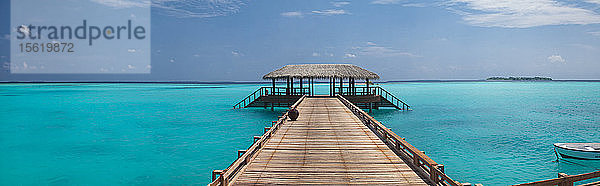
(332, 142)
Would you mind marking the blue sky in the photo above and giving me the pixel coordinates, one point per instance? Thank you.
(235, 40)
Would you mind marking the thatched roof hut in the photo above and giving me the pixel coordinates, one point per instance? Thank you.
(321, 71)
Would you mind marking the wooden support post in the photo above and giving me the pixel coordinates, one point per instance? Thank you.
(240, 152)
(256, 138)
(333, 86)
(341, 86)
(273, 90)
(215, 173)
(287, 86)
(301, 87)
(565, 182)
(416, 161)
(292, 85)
(353, 87)
(367, 82)
(433, 175)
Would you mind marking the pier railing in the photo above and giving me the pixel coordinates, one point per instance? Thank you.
(566, 180)
(223, 177)
(393, 99)
(263, 91)
(434, 171)
(363, 91)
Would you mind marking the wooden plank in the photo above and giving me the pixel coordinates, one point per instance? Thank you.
(328, 144)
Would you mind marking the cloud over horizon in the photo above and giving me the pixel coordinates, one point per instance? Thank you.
(522, 13)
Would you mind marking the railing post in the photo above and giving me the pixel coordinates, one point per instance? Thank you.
(220, 173)
(564, 182)
(416, 160)
(433, 174)
(240, 152)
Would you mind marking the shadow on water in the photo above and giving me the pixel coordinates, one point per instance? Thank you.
(576, 166)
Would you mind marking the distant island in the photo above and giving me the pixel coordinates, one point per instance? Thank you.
(519, 79)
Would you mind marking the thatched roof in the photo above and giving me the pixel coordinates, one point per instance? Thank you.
(321, 71)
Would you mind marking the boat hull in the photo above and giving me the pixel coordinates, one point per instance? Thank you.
(576, 154)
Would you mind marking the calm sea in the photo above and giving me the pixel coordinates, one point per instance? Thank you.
(494, 133)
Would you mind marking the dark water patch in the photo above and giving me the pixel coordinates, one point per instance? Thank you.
(9, 95)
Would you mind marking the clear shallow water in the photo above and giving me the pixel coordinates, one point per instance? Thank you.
(495, 133)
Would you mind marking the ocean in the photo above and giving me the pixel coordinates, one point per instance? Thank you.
(493, 133)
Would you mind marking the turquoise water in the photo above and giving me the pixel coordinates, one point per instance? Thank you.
(495, 133)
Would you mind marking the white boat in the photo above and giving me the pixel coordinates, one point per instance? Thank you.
(588, 151)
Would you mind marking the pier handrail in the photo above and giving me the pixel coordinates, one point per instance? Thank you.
(375, 90)
(249, 98)
(222, 177)
(263, 91)
(394, 100)
(564, 179)
(421, 161)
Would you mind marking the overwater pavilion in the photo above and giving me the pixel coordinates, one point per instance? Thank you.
(300, 80)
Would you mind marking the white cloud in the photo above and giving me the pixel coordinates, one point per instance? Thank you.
(124, 3)
(556, 59)
(292, 14)
(198, 8)
(593, 1)
(314, 54)
(340, 3)
(172, 60)
(6, 37)
(371, 43)
(380, 51)
(522, 13)
(236, 53)
(349, 55)
(130, 67)
(131, 50)
(148, 66)
(330, 12)
(182, 9)
(385, 2)
(418, 5)
(196, 55)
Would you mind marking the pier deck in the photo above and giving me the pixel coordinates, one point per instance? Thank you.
(327, 144)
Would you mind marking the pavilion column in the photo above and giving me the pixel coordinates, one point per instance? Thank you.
(341, 86)
(301, 87)
(367, 82)
(287, 86)
(273, 90)
(352, 86)
(333, 87)
(292, 85)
